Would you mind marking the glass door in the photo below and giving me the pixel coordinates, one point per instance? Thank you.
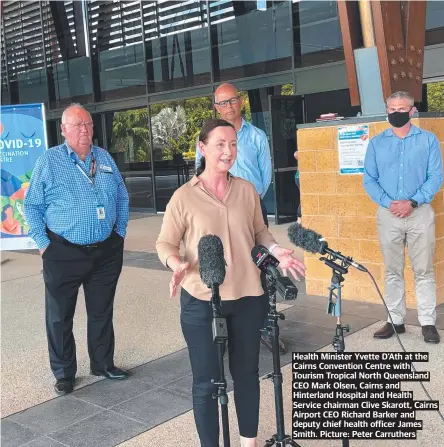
(128, 142)
(286, 113)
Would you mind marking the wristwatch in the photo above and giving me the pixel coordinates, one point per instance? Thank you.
(414, 203)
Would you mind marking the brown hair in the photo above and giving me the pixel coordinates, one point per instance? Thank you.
(207, 128)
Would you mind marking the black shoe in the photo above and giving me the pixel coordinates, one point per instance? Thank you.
(64, 386)
(430, 334)
(111, 373)
(266, 340)
(387, 330)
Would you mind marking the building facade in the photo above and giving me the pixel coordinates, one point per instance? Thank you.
(147, 70)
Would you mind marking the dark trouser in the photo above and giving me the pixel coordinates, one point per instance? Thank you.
(263, 275)
(264, 212)
(244, 320)
(65, 269)
(298, 184)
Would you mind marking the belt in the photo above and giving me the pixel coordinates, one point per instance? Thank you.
(55, 237)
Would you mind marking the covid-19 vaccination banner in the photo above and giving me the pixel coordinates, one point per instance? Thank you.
(22, 141)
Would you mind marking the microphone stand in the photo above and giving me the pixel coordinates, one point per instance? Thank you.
(334, 305)
(280, 438)
(220, 336)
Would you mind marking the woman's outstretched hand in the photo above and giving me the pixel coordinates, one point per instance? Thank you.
(289, 263)
(178, 275)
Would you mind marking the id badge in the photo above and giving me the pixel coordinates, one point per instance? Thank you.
(101, 212)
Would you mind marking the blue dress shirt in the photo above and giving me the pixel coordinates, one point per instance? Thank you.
(61, 197)
(253, 161)
(403, 169)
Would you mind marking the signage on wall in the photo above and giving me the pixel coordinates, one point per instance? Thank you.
(22, 141)
(352, 146)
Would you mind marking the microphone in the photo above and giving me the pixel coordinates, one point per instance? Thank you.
(210, 252)
(266, 262)
(313, 242)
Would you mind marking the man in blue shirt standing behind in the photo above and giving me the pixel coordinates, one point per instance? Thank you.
(253, 161)
(403, 171)
(77, 210)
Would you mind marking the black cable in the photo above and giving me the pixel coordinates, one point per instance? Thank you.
(399, 340)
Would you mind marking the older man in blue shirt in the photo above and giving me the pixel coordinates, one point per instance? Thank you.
(77, 210)
(253, 161)
(403, 171)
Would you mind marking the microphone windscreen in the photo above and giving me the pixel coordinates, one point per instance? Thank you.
(306, 239)
(210, 251)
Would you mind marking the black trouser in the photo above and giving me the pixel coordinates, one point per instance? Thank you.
(263, 274)
(65, 269)
(298, 184)
(264, 212)
(244, 320)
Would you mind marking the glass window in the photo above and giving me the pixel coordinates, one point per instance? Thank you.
(317, 35)
(335, 101)
(5, 91)
(256, 110)
(118, 64)
(432, 97)
(176, 126)
(250, 38)
(5, 94)
(286, 113)
(255, 106)
(29, 87)
(434, 23)
(70, 81)
(177, 49)
(24, 52)
(97, 130)
(128, 141)
(52, 132)
(66, 50)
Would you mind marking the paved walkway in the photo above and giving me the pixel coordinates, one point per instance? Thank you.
(156, 399)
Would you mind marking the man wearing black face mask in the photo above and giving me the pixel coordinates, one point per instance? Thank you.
(402, 172)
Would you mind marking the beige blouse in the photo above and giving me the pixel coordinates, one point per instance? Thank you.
(193, 212)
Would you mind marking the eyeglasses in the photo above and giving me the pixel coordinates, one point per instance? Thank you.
(231, 101)
(77, 126)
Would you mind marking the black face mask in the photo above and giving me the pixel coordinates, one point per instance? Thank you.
(398, 119)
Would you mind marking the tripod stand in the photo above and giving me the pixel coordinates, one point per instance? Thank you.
(220, 336)
(280, 439)
(334, 307)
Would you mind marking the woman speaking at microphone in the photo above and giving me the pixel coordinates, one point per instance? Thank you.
(215, 202)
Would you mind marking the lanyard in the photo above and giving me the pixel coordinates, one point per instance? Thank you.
(92, 170)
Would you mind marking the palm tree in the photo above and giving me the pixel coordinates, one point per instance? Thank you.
(131, 135)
